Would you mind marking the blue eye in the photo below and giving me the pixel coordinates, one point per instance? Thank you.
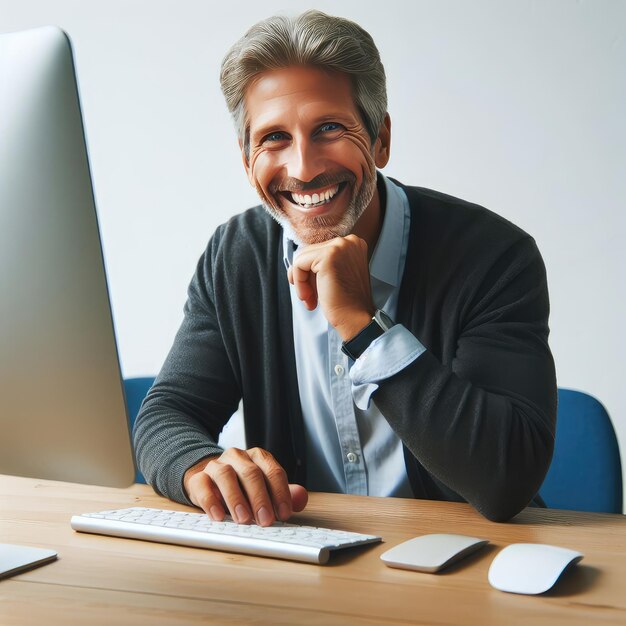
(277, 136)
(329, 127)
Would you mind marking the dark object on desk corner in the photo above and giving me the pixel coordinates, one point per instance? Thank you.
(136, 390)
(586, 471)
(431, 553)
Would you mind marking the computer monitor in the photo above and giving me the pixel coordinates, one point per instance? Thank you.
(62, 406)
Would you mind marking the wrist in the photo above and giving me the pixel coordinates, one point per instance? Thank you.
(379, 324)
(195, 469)
(354, 324)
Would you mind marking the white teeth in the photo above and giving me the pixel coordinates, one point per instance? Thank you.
(307, 201)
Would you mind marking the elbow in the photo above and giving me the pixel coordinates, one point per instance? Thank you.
(503, 499)
(498, 511)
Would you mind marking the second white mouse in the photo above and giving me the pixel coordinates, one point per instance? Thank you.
(530, 567)
(430, 553)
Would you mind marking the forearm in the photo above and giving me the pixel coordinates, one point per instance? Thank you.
(492, 447)
(167, 443)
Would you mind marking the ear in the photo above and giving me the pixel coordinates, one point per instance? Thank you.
(246, 163)
(382, 146)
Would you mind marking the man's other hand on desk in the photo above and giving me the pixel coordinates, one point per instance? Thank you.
(250, 484)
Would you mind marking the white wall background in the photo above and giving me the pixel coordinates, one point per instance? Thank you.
(516, 105)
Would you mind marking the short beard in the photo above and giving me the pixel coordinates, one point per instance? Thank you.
(312, 230)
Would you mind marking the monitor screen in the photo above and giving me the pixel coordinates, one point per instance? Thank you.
(62, 406)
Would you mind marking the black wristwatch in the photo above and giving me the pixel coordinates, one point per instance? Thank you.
(356, 346)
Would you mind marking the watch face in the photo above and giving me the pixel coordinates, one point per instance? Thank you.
(384, 321)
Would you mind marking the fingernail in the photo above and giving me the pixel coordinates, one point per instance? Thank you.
(241, 514)
(216, 513)
(264, 517)
(284, 512)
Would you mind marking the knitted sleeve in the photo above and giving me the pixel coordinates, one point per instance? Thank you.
(482, 422)
(193, 396)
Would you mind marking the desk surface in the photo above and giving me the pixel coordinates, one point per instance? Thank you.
(99, 580)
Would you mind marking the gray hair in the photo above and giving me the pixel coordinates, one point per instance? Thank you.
(312, 38)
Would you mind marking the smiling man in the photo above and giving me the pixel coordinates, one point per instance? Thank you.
(386, 340)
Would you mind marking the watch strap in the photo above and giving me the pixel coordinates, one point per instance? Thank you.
(356, 346)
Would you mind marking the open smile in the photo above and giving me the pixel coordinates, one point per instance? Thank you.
(318, 198)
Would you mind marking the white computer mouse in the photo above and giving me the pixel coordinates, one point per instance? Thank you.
(431, 553)
(530, 567)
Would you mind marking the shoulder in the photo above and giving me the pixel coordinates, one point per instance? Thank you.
(245, 240)
(251, 229)
(445, 213)
(240, 250)
(462, 233)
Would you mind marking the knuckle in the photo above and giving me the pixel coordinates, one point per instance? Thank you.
(261, 455)
(232, 453)
(276, 474)
(221, 471)
(251, 473)
(335, 252)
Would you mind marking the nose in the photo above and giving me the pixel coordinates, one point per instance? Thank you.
(305, 160)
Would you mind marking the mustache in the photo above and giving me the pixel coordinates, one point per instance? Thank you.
(322, 180)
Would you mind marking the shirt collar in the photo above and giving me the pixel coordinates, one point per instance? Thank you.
(386, 258)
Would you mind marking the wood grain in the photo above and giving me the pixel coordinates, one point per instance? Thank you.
(104, 580)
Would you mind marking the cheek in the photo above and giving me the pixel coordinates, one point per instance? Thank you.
(258, 172)
(262, 173)
(356, 151)
(261, 170)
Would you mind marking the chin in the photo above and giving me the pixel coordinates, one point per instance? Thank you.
(317, 230)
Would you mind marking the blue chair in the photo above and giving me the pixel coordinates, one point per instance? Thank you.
(586, 472)
(136, 390)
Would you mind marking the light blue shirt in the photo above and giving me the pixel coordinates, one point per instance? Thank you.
(350, 446)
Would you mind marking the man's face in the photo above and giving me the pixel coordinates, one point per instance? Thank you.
(311, 159)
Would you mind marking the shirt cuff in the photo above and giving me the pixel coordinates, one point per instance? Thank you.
(384, 357)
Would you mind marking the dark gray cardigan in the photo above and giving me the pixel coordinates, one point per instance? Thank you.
(476, 411)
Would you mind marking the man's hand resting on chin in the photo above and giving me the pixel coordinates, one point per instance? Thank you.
(250, 484)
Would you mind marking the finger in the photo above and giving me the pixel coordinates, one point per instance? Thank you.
(304, 283)
(299, 497)
(276, 480)
(227, 482)
(205, 495)
(253, 484)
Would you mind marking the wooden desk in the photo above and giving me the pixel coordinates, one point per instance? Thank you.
(102, 580)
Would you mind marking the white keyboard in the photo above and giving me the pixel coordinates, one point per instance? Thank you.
(281, 540)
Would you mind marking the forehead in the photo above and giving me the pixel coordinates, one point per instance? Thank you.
(296, 91)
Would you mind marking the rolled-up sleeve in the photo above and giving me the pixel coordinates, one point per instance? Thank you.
(386, 356)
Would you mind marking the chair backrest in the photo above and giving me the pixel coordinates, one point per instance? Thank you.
(136, 390)
(586, 472)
